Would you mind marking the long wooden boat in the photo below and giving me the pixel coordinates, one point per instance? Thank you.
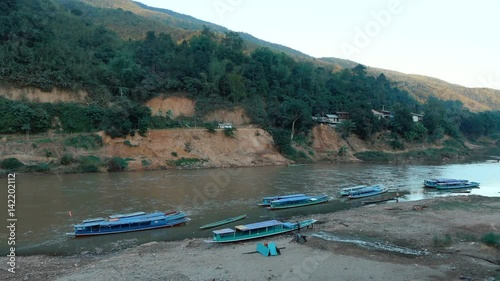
(257, 230)
(295, 202)
(368, 191)
(432, 183)
(379, 200)
(266, 201)
(222, 222)
(457, 185)
(347, 190)
(121, 223)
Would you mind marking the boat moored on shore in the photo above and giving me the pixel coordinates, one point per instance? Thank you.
(300, 201)
(266, 201)
(457, 185)
(347, 190)
(368, 191)
(121, 223)
(222, 222)
(257, 230)
(447, 183)
(432, 183)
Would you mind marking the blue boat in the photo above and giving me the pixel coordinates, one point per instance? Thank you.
(121, 223)
(462, 184)
(298, 201)
(266, 201)
(367, 191)
(347, 190)
(257, 230)
(432, 183)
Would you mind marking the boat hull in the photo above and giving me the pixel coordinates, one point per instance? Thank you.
(364, 195)
(236, 238)
(375, 201)
(346, 191)
(433, 183)
(223, 222)
(168, 224)
(319, 201)
(266, 201)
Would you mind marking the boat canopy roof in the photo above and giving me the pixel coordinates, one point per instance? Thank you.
(258, 225)
(283, 197)
(133, 219)
(118, 216)
(444, 180)
(224, 231)
(354, 187)
(374, 188)
(93, 220)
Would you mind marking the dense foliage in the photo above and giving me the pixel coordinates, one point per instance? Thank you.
(118, 119)
(45, 45)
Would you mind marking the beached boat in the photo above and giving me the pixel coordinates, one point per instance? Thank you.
(463, 184)
(222, 222)
(299, 201)
(257, 230)
(266, 201)
(432, 183)
(347, 190)
(121, 223)
(379, 200)
(368, 191)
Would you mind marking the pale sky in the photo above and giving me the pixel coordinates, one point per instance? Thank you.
(456, 41)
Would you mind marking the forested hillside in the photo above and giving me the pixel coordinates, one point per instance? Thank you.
(47, 45)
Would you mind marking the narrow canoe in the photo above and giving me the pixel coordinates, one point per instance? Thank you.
(374, 201)
(222, 222)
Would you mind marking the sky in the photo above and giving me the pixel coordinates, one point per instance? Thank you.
(456, 41)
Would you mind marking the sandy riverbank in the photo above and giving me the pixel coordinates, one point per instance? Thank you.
(447, 229)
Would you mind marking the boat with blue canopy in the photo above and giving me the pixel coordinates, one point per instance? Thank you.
(121, 223)
(257, 230)
(299, 201)
(432, 183)
(463, 184)
(266, 201)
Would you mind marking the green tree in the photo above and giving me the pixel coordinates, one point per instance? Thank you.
(295, 113)
(402, 121)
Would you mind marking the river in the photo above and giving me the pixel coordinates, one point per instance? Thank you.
(48, 205)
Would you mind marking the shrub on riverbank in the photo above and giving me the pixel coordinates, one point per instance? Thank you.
(116, 164)
(89, 164)
(440, 242)
(38, 168)
(67, 159)
(11, 164)
(491, 239)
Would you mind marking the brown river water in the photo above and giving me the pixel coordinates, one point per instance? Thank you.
(48, 205)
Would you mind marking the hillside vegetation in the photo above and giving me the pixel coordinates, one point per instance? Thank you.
(422, 87)
(182, 27)
(46, 45)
